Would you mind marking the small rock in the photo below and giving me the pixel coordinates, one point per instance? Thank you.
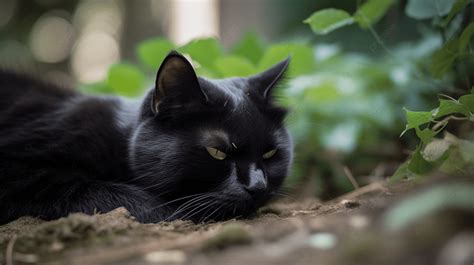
(359, 221)
(228, 235)
(350, 204)
(56, 246)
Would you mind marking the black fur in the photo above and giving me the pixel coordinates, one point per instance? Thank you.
(62, 151)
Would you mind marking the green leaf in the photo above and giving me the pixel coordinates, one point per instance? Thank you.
(444, 58)
(454, 162)
(234, 66)
(465, 38)
(401, 173)
(426, 134)
(250, 47)
(327, 20)
(418, 164)
(448, 106)
(372, 11)
(468, 101)
(424, 9)
(204, 51)
(457, 7)
(417, 118)
(302, 58)
(126, 79)
(152, 52)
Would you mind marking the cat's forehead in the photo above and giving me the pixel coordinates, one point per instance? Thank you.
(223, 137)
(231, 90)
(215, 134)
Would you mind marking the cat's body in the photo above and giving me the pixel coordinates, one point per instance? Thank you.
(62, 151)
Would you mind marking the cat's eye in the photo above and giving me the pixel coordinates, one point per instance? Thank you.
(216, 153)
(269, 154)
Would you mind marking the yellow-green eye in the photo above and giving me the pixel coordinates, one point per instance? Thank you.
(269, 154)
(216, 153)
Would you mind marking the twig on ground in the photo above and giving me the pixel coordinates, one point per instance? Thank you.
(375, 186)
(9, 253)
(351, 177)
(379, 171)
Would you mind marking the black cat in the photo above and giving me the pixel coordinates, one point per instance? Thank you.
(193, 148)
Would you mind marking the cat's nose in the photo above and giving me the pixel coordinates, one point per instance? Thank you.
(257, 181)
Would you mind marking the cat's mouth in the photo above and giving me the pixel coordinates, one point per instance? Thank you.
(210, 207)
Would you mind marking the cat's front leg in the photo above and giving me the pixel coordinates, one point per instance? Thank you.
(89, 198)
(105, 197)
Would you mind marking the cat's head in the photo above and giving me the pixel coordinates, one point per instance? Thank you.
(218, 148)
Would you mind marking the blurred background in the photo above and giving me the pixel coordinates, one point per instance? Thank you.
(346, 89)
(78, 40)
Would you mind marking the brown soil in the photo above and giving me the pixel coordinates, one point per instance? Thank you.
(349, 230)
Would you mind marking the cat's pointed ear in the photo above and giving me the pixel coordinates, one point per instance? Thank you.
(265, 81)
(176, 83)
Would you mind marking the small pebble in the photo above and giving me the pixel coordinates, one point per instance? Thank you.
(56, 246)
(359, 221)
(229, 235)
(323, 240)
(166, 256)
(350, 203)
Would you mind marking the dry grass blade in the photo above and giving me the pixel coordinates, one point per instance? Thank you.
(9, 253)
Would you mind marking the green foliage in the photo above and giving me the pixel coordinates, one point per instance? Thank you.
(444, 58)
(372, 11)
(418, 164)
(250, 47)
(448, 154)
(424, 9)
(433, 153)
(125, 79)
(327, 20)
(421, 205)
(301, 56)
(203, 51)
(451, 51)
(234, 65)
(417, 118)
(465, 38)
(468, 101)
(426, 134)
(208, 57)
(152, 52)
(457, 7)
(449, 106)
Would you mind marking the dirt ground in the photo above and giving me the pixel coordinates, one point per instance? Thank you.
(350, 230)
